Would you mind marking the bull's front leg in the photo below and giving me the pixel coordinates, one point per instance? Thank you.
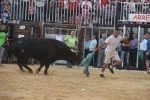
(46, 68)
(20, 65)
(28, 68)
(39, 69)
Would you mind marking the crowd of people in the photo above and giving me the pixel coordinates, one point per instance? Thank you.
(81, 12)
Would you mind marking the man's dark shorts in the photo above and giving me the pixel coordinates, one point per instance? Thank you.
(148, 57)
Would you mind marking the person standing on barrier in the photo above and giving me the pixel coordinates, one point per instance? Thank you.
(3, 38)
(110, 51)
(71, 42)
(101, 51)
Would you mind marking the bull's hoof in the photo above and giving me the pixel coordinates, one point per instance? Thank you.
(30, 71)
(37, 71)
(45, 73)
(22, 70)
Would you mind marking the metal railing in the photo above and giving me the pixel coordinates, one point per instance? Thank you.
(74, 12)
(62, 12)
(126, 8)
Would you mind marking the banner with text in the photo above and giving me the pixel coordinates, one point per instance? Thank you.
(139, 17)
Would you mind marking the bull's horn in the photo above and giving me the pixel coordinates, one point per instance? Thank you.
(74, 51)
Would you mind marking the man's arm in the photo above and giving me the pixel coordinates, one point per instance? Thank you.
(64, 41)
(76, 45)
(126, 41)
(101, 45)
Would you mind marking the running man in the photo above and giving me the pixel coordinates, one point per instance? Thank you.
(110, 51)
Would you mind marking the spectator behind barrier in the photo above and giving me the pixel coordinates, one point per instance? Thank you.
(5, 16)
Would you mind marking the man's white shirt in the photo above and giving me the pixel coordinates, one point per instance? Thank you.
(143, 45)
(112, 43)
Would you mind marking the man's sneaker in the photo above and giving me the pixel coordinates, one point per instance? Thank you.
(146, 72)
(101, 75)
(111, 70)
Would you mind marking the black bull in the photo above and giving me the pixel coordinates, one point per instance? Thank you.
(46, 51)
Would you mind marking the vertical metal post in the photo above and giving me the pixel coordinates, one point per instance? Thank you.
(92, 30)
(19, 13)
(83, 42)
(13, 10)
(124, 30)
(99, 33)
(28, 7)
(25, 9)
(139, 29)
(60, 31)
(52, 30)
(67, 31)
(46, 10)
(106, 32)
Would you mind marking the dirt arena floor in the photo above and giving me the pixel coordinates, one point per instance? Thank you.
(71, 84)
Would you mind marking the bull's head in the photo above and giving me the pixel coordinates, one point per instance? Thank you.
(71, 56)
(14, 43)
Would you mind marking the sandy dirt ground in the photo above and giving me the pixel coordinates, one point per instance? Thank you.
(71, 84)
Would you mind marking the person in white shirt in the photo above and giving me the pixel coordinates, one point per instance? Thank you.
(92, 46)
(86, 45)
(110, 51)
(142, 51)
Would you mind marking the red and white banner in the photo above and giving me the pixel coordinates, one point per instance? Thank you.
(139, 17)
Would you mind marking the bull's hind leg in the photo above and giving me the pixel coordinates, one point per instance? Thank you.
(28, 68)
(46, 68)
(39, 69)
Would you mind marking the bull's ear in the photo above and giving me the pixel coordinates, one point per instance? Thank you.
(74, 51)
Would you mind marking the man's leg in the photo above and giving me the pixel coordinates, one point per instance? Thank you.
(104, 67)
(144, 61)
(122, 58)
(100, 53)
(1, 54)
(147, 65)
(127, 61)
(117, 59)
(107, 60)
(103, 58)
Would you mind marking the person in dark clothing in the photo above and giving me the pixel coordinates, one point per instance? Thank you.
(133, 51)
(125, 52)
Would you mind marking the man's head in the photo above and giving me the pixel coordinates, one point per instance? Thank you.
(134, 36)
(103, 35)
(73, 33)
(147, 35)
(144, 37)
(87, 37)
(116, 33)
(126, 37)
(93, 36)
(3, 27)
